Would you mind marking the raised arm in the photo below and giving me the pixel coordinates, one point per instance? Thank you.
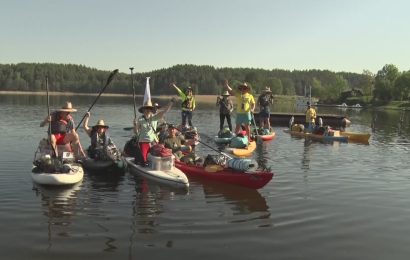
(180, 92)
(226, 85)
(85, 124)
(161, 113)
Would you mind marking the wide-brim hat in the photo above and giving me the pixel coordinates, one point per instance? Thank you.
(172, 126)
(101, 123)
(188, 89)
(146, 105)
(226, 93)
(68, 107)
(244, 86)
(267, 90)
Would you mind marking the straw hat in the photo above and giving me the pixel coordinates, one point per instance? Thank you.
(101, 123)
(267, 90)
(226, 93)
(68, 107)
(244, 86)
(148, 104)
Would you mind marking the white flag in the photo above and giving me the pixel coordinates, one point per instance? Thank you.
(147, 95)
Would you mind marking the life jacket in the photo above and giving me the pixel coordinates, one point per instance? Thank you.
(188, 103)
(265, 100)
(59, 125)
(99, 142)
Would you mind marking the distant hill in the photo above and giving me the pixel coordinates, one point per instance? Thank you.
(204, 79)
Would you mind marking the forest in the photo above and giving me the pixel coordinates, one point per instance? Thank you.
(387, 84)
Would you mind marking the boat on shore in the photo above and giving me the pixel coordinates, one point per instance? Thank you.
(160, 169)
(249, 179)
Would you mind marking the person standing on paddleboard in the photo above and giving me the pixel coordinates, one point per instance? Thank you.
(265, 100)
(245, 106)
(188, 105)
(310, 117)
(145, 127)
(225, 109)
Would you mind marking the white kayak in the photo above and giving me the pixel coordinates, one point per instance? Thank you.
(160, 169)
(74, 174)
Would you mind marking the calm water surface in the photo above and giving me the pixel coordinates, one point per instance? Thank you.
(326, 201)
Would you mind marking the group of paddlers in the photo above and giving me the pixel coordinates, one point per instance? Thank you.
(147, 127)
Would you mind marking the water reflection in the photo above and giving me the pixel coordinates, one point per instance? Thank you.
(104, 181)
(242, 200)
(59, 206)
(306, 154)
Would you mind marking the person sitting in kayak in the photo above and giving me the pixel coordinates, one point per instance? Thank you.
(265, 100)
(177, 144)
(240, 140)
(145, 128)
(62, 130)
(310, 117)
(188, 105)
(225, 110)
(102, 147)
(245, 105)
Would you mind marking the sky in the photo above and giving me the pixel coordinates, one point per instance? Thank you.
(343, 35)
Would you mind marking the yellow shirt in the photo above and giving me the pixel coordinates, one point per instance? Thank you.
(244, 102)
(310, 115)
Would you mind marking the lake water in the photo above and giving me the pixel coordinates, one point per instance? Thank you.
(326, 201)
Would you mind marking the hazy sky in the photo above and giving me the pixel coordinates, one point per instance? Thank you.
(343, 35)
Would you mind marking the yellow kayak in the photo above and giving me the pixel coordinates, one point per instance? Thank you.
(242, 151)
(357, 137)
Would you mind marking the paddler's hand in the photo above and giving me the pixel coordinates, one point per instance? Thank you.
(87, 115)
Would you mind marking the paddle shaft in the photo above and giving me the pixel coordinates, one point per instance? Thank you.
(210, 147)
(48, 116)
(110, 78)
(133, 92)
(254, 124)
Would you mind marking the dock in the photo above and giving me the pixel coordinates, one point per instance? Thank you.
(282, 119)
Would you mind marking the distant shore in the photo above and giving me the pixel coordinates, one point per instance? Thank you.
(199, 98)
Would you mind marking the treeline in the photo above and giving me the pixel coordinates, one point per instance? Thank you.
(325, 84)
(391, 84)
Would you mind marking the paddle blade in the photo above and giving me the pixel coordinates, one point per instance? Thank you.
(111, 76)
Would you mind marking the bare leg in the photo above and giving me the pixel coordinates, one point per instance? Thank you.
(74, 139)
(248, 131)
(54, 144)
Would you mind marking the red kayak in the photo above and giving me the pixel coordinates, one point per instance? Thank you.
(267, 137)
(252, 180)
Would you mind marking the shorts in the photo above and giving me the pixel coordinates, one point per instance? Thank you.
(264, 114)
(59, 138)
(243, 118)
